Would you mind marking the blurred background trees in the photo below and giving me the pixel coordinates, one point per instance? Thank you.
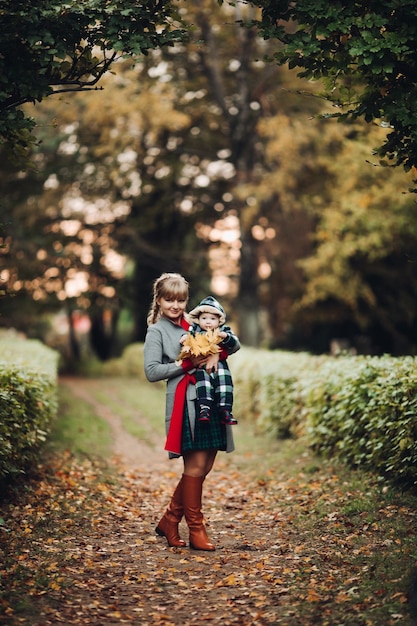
(205, 159)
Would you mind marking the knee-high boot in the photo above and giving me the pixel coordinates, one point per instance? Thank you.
(192, 487)
(168, 524)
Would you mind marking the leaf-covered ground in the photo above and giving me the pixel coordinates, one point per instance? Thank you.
(300, 547)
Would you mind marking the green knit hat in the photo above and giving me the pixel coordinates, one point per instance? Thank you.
(208, 305)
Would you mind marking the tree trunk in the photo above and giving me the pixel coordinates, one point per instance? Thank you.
(248, 297)
(75, 350)
(103, 332)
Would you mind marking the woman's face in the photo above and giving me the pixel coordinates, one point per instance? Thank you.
(173, 308)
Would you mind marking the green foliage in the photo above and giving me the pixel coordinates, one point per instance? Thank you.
(28, 402)
(365, 53)
(364, 411)
(361, 410)
(50, 47)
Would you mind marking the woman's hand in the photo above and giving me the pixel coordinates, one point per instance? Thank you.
(212, 362)
(198, 361)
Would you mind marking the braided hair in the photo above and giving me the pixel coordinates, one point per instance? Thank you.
(169, 285)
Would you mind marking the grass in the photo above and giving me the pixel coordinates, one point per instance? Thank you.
(79, 429)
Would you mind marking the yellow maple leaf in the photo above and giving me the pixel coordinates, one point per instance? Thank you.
(200, 344)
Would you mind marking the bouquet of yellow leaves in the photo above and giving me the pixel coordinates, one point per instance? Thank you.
(200, 344)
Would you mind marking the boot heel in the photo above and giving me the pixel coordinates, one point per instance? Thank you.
(208, 547)
(169, 530)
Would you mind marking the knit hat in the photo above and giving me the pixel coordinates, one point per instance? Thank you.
(208, 305)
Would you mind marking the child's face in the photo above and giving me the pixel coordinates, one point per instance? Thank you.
(209, 321)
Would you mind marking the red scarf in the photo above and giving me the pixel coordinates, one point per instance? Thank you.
(174, 437)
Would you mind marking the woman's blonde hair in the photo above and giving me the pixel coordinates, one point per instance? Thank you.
(168, 286)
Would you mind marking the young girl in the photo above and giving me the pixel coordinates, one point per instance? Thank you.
(198, 445)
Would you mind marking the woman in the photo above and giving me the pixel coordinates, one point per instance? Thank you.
(197, 443)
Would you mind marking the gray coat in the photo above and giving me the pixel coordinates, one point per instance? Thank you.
(161, 349)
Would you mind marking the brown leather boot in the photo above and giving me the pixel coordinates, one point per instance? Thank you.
(168, 524)
(192, 487)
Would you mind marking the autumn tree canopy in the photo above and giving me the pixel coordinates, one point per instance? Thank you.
(365, 52)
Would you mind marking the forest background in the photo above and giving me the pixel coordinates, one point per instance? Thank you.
(203, 157)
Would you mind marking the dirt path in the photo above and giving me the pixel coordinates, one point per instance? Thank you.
(84, 552)
(132, 452)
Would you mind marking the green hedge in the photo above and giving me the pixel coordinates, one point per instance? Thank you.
(130, 363)
(362, 410)
(28, 401)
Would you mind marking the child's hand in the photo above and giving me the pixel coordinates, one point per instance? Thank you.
(222, 334)
(182, 340)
